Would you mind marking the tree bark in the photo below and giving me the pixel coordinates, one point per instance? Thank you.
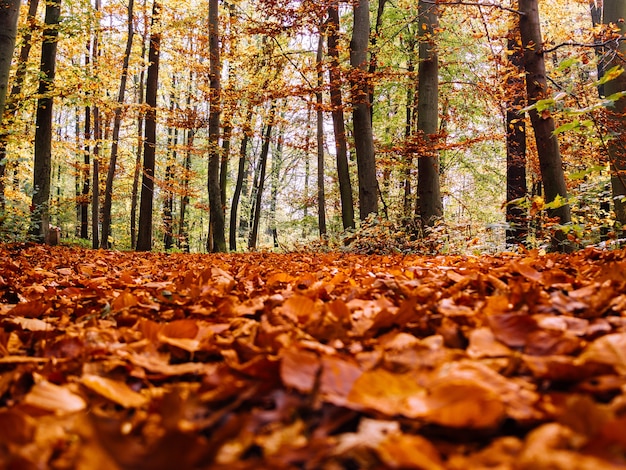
(429, 194)
(241, 177)
(258, 197)
(615, 12)
(216, 211)
(43, 133)
(117, 121)
(336, 101)
(362, 122)
(515, 147)
(9, 14)
(321, 193)
(183, 231)
(144, 236)
(139, 152)
(548, 152)
(12, 101)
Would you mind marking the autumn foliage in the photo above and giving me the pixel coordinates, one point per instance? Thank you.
(130, 361)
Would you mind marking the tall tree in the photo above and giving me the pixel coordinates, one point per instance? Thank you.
(361, 116)
(40, 221)
(550, 162)
(260, 181)
(339, 128)
(429, 192)
(241, 179)
(615, 14)
(217, 226)
(144, 235)
(117, 122)
(9, 14)
(515, 145)
(321, 193)
(12, 101)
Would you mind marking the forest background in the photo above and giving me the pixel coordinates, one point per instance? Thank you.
(432, 126)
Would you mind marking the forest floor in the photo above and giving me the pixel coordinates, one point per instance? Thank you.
(112, 360)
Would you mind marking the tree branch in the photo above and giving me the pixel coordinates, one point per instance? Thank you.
(582, 44)
(474, 4)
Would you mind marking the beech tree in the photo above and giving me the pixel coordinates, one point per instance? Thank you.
(218, 242)
(117, 122)
(550, 162)
(9, 13)
(429, 194)
(361, 116)
(339, 127)
(40, 222)
(144, 234)
(614, 12)
(515, 144)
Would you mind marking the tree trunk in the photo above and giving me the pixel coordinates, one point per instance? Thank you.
(117, 121)
(321, 195)
(615, 12)
(596, 7)
(548, 152)
(95, 193)
(241, 177)
(429, 194)
(515, 147)
(336, 101)
(374, 53)
(275, 178)
(216, 211)
(12, 100)
(409, 130)
(168, 194)
(258, 197)
(362, 123)
(43, 133)
(139, 152)
(9, 14)
(183, 232)
(144, 236)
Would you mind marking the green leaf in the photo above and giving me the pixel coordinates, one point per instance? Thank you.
(609, 75)
(567, 127)
(567, 63)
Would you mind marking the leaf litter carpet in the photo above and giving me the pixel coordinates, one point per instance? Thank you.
(114, 360)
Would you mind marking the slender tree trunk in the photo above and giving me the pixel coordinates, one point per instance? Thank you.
(258, 197)
(409, 127)
(11, 101)
(336, 101)
(515, 147)
(95, 193)
(138, 154)
(97, 134)
(275, 174)
(429, 194)
(168, 194)
(321, 195)
(183, 232)
(550, 161)
(241, 177)
(374, 52)
(117, 121)
(84, 205)
(9, 14)
(362, 122)
(216, 210)
(43, 134)
(615, 13)
(144, 236)
(595, 7)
